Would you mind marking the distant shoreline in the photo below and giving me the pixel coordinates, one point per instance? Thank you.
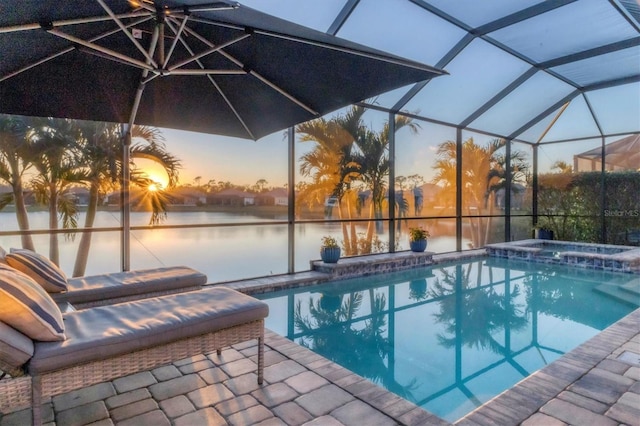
(259, 211)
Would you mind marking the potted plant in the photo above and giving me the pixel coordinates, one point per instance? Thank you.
(418, 239)
(542, 233)
(330, 250)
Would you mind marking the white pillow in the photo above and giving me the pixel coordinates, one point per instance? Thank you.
(39, 268)
(27, 307)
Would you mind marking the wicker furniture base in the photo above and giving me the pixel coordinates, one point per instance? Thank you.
(29, 390)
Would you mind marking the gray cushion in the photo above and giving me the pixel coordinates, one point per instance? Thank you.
(130, 283)
(15, 347)
(108, 331)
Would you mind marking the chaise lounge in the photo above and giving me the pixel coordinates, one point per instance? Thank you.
(108, 289)
(46, 352)
(104, 289)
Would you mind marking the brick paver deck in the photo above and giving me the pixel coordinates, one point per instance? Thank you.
(595, 384)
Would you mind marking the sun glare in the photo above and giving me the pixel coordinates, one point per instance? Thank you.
(154, 172)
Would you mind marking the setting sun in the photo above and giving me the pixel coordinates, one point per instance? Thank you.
(154, 172)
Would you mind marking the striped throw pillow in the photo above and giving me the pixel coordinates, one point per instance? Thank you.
(25, 306)
(42, 270)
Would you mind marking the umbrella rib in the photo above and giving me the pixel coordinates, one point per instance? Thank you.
(256, 74)
(125, 30)
(205, 71)
(67, 50)
(35, 64)
(100, 49)
(208, 52)
(233, 109)
(213, 82)
(67, 22)
(183, 23)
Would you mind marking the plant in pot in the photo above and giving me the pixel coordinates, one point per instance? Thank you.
(418, 239)
(542, 233)
(330, 250)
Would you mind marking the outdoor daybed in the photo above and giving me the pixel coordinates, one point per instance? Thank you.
(103, 343)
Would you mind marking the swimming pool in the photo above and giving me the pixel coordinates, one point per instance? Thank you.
(450, 337)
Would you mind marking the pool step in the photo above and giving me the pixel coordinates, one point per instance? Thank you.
(628, 292)
(357, 266)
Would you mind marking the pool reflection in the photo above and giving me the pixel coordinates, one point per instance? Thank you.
(450, 337)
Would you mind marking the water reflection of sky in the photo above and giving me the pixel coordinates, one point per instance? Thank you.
(449, 338)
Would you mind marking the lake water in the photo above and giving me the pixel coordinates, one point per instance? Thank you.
(224, 253)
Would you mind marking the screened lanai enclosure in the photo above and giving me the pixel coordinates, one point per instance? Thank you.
(533, 122)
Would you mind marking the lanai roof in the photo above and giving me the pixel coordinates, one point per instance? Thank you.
(530, 70)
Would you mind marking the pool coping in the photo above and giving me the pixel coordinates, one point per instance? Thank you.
(514, 405)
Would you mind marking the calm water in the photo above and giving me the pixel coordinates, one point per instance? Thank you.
(223, 253)
(449, 338)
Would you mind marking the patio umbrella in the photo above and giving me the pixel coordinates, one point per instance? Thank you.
(217, 68)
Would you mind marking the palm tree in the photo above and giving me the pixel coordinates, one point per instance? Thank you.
(14, 162)
(330, 165)
(102, 159)
(56, 148)
(347, 152)
(483, 173)
(373, 158)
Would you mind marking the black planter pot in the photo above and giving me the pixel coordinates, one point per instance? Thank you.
(543, 234)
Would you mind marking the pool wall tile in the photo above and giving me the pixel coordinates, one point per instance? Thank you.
(351, 267)
(583, 255)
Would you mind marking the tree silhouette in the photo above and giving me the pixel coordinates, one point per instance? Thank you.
(15, 160)
(483, 174)
(346, 153)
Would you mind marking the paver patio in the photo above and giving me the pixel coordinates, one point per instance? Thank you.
(597, 383)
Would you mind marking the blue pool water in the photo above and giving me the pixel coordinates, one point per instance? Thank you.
(451, 337)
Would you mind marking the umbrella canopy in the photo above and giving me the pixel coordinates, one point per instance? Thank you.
(217, 68)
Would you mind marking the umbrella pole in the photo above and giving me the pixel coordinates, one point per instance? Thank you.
(125, 198)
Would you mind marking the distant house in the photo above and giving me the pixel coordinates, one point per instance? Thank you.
(622, 154)
(518, 193)
(29, 198)
(187, 196)
(231, 197)
(4, 189)
(275, 197)
(81, 195)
